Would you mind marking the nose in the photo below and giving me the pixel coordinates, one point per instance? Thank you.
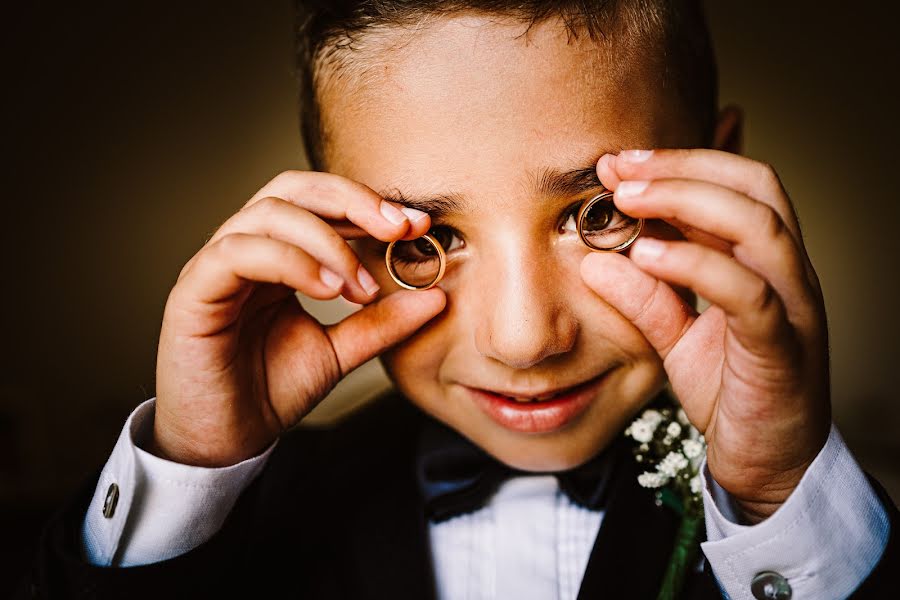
(524, 318)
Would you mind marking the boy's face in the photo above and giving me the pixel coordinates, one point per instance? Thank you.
(470, 111)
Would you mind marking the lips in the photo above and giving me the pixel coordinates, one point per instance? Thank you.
(532, 412)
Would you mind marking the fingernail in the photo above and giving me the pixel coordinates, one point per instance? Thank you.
(331, 279)
(648, 248)
(635, 156)
(412, 214)
(391, 213)
(366, 281)
(627, 189)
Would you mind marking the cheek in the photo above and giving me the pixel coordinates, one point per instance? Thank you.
(415, 364)
(604, 330)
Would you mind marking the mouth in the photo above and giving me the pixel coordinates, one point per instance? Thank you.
(539, 411)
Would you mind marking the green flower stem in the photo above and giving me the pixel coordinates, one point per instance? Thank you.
(683, 556)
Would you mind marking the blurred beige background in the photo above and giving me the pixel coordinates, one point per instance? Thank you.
(135, 129)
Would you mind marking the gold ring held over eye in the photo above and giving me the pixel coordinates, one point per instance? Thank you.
(420, 264)
(432, 281)
(618, 243)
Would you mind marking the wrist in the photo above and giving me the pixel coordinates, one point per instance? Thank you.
(186, 447)
(768, 498)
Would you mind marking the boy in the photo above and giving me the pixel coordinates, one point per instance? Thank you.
(486, 123)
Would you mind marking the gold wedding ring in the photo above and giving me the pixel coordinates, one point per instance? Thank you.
(420, 264)
(598, 212)
(417, 276)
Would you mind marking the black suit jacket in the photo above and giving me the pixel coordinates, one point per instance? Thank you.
(336, 513)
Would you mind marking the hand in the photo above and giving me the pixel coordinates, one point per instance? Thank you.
(751, 371)
(239, 359)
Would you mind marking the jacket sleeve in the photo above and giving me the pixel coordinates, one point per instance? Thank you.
(264, 543)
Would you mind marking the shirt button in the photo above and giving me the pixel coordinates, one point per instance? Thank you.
(112, 497)
(770, 585)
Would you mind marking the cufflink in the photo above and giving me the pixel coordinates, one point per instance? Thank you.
(770, 585)
(112, 497)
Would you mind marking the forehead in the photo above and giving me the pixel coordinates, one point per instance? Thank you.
(473, 104)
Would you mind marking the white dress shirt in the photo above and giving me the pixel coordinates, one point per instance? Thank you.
(528, 542)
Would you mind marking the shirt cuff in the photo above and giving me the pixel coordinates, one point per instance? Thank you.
(824, 540)
(146, 509)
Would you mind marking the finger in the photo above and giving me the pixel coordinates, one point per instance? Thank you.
(369, 332)
(754, 310)
(279, 219)
(224, 269)
(349, 231)
(752, 178)
(760, 237)
(341, 199)
(673, 229)
(658, 312)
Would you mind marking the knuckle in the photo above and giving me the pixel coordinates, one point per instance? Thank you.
(280, 181)
(187, 267)
(349, 259)
(226, 245)
(768, 221)
(692, 259)
(381, 337)
(290, 258)
(288, 254)
(768, 175)
(286, 177)
(267, 206)
(762, 298)
(646, 305)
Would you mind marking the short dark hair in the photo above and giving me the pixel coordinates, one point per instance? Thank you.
(327, 31)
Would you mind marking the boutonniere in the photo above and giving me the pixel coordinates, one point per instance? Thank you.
(670, 451)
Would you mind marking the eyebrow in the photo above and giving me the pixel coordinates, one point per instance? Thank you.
(547, 181)
(552, 182)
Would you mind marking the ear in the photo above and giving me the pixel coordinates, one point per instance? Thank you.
(729, 133)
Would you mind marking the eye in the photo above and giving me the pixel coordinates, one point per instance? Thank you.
(420, 250)
(603, 226)
(602, 216)
(569, 224)
(447, 237)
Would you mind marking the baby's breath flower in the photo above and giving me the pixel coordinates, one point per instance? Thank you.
(695, 484)
(672, 464)
(652, 480)
(670, 451)
(641, 431)
(692, 448)
(652, 417)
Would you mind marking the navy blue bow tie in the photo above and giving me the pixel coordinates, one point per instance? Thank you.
(456, 477)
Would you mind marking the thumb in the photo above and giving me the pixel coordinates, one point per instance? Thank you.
(369, 332)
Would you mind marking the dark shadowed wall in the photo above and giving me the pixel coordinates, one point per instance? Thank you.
(133, 129)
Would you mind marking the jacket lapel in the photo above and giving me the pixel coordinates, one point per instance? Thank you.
(634, 543)
(389, 548)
